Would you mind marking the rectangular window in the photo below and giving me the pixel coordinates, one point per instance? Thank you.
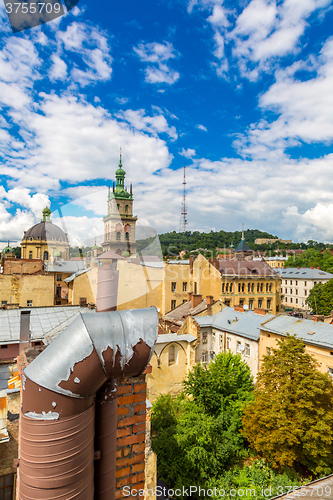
(204, 357)
(251, 304)
(296, 300)
(291, 300)
(296, 292)
(3, 346)
(260, 303)
(228, 342)
(296, 283)
(269, 303)
(291, 282)
(7, 487)
(230, 287)
(184, 286)
(241, 302)
(204, 337)
(227, 302)
(248, 288)
(239, 348)
(173, 304)
(305, 292)
(221, 339)
(29, 303)
(59, 277)
(227, 287)
(173, 286)
(268, 351)
(222, 287)
(285, 282)
(304, 283)
(4, 302)
(330, 371)
(247, 349)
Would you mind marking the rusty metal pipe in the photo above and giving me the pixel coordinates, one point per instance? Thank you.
(93, 349)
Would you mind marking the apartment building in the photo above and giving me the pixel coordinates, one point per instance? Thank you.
(297, 283)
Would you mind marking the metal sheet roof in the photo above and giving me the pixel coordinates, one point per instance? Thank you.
(247, 324)
(312, 332)
(303, 273)
(65, 266)
(43, 320)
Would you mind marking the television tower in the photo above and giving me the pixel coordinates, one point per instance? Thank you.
(183, 213)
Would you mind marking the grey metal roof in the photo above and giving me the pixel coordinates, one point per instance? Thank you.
(312, 332)
(247, 324)
(66, 266)
(73, 276)
(304, 273)
(43, 320)
(180, 313)
(165, 338)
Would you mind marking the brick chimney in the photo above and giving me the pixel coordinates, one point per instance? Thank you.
(209, 303)
(195, 300)
(260, 310)
(189, 296)
(318, 317)
(239, 308)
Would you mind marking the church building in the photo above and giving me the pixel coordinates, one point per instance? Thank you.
(119, 223)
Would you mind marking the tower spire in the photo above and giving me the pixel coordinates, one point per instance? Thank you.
(243, 237)
(183, 214)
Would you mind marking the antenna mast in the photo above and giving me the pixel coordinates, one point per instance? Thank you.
(183, 214)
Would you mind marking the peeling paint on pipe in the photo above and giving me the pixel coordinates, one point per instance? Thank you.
(64, 379)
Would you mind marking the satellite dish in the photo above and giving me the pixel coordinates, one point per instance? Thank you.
(245, 307)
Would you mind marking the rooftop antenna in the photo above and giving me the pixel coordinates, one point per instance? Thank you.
(183, 213)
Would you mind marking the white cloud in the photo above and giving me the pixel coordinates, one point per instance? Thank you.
(155, 125)
(59, 69)
(157, 55)
(188, 153)
(202, 127)
(261, 34)
(304, 109)
(81, 230)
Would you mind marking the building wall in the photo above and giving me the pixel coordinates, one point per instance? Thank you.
(167, 375)
(296, 291)
(22, 266)
(268, 341)
(20, 289)
(38, 247)
(176, 285)
(9, 352)
(138, 287)
(256, 292)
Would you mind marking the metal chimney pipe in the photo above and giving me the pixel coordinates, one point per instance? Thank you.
(24, 331)
(57, 416)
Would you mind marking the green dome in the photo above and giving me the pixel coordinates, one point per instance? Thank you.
(120, 171)
(8, 249)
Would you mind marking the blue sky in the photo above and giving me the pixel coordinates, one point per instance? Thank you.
(241, 92)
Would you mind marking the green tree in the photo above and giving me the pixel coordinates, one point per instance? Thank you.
(290, 421)
(197, 435)
(320, 298)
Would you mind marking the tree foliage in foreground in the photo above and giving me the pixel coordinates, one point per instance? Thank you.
(290, 421)
(196, 436)
(320, 298)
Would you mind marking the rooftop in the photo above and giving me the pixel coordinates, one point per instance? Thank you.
(228, 267)
(43, 320)
(312, 332)
(304, 273)
(247, 324)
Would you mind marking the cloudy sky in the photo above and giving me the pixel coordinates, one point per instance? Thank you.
(240, 91)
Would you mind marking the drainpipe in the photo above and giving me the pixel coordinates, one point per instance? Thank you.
(58, 409)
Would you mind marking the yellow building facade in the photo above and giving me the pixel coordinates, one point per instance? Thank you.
(26, 290)
(237, 282)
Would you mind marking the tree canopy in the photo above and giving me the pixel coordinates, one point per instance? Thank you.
(290, 421)
(320, 298)
(197, 435)
(312, 257)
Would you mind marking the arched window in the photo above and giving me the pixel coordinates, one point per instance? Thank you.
(230, 287)
(127, 236)
(172, 355)
(45, 255)
(30, 254)
(126, 209)
(118, 207)
(118, 235)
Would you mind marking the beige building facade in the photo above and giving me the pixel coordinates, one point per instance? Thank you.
(297, 283)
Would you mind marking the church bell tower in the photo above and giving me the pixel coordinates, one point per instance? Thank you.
(119, 223)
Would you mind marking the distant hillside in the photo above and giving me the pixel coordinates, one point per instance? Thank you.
(173, 243)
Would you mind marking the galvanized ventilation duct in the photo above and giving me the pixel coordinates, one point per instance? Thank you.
(57, 421)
